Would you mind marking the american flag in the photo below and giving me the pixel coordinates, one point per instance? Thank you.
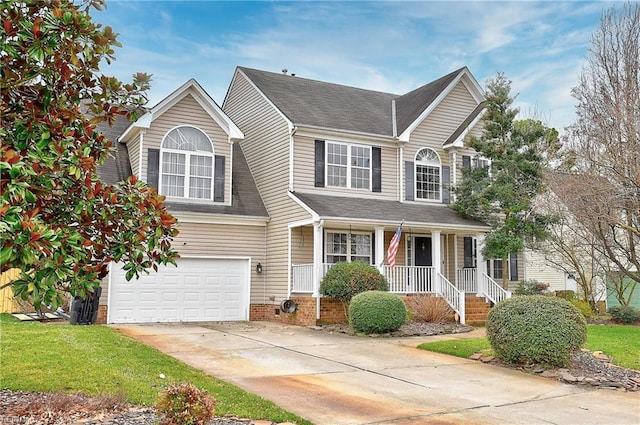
(393, 247)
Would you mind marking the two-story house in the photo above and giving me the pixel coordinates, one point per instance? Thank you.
(292, 175)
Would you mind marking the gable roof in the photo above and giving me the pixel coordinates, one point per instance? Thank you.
(333, 106)
(329, 207)
(466, 125)
(194, 89)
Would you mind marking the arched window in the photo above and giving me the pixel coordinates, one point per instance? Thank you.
(186, 158)
(427, 174)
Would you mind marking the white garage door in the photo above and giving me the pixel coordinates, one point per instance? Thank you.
(197, 290)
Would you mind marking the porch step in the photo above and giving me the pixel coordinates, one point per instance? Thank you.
(476, 310)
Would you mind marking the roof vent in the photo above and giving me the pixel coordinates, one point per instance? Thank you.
(284, 71)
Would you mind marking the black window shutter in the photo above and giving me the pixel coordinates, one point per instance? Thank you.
(373, 249)
(468, 251)
(218, 180)
(513, 266)
(466, 161)
(376, 169)
(409, 183)
(446, 185)
(153, 167)
(319, 164)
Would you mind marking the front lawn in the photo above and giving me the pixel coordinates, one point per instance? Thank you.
(620, 342)
(97, 360)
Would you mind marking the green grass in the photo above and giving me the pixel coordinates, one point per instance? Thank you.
(620, 342)
(458, 347)
(96, 360)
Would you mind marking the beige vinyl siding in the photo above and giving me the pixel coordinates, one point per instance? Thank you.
(133, 149)
(304, 171)
(448, 257)
(458, 166)
(537, 269)
(188, 112)
(266, 147)
(302, 245)
(441, 123)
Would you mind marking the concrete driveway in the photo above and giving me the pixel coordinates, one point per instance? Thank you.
(334, 379)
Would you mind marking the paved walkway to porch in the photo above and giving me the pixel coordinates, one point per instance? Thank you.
(335, 379)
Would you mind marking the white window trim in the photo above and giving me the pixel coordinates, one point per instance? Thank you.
(349, 146)
(348, 254)
(415, 176)
(187, 165)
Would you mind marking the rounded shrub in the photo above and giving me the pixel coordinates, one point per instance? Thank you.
(343, 281)
(625, 314)
(376, 312)
(536, 329)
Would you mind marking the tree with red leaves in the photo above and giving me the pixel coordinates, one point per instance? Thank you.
(59, 224)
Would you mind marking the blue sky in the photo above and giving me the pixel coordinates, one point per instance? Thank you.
(387, 46)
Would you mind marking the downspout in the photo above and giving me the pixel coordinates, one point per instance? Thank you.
(454, 159)
(292, 132)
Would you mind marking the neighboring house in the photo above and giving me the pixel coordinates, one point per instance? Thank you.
(292, 175)
(568, 254)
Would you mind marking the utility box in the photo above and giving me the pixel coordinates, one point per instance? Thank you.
(85, 311)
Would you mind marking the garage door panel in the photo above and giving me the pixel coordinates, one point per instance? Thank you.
(197, 290)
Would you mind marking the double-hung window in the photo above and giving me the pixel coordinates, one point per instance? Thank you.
(348, 166)
(428, 169)
(186, 164)
(348, 247)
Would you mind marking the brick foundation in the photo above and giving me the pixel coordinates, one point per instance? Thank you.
(331, 311)
(102, 315)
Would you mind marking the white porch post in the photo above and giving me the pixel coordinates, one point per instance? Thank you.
(481, 264)
(379, 249)
(317, 263)
(436, 249)
(455, 259)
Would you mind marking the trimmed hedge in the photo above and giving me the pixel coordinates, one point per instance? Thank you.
(376, 312)
(343, 281)
(536, 329)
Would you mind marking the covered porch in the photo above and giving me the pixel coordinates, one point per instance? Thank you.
(439, 252)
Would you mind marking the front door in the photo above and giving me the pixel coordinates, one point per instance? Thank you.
(422, 251)
(421, 277)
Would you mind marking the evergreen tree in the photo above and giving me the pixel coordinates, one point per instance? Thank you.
(501, 194)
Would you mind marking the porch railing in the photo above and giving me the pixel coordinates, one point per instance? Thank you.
(302, 276)
(492, 290)
(467, 279)
(452, 295)
(409, 279)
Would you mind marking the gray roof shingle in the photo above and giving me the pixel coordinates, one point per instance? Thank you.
(328, 105)
(367, 209)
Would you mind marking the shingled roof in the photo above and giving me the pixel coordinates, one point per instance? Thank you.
(315, 103)
(392, 212)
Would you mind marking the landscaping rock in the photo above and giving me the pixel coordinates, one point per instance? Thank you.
(476, 356)
(487, 359)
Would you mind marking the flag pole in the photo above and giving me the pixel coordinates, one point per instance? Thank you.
(386, 252)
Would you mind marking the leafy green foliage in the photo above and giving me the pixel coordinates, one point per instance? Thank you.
(532, 287)
(59, 224)
(345, 280)
(625, 314)
(376, 312)
(536, 329)
(583, 306)
(185, 404)
(502, 195)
